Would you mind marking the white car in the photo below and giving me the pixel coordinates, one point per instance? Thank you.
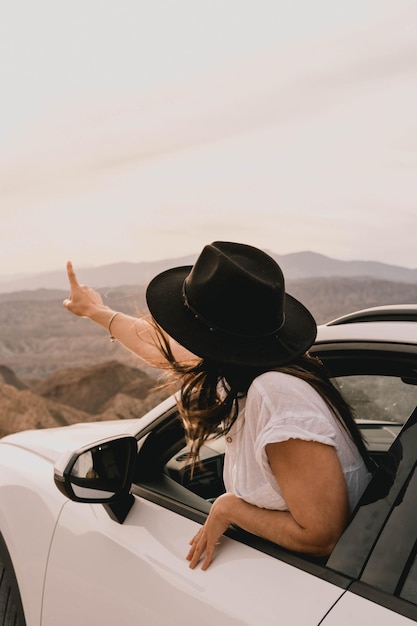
(108, 545)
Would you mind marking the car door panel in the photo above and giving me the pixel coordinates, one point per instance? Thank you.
(136, 572)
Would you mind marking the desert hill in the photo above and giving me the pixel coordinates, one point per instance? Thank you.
(332, 297)
(107, 391)
(94, 389)
(23, 409)
(56, 369)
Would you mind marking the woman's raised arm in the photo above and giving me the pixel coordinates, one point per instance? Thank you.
(135, 333)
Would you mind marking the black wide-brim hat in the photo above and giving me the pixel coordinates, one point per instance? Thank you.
(231, 307)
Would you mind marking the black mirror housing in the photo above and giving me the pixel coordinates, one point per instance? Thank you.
(99, 473)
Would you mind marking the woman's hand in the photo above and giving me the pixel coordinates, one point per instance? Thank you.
(205, 541)
(82, 300)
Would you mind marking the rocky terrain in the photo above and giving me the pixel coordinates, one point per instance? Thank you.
(56, 369)
(108, 391)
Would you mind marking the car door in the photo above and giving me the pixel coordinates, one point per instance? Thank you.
(104, 572)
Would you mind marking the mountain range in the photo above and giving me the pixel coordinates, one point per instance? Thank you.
(296, 266)
(56, 369)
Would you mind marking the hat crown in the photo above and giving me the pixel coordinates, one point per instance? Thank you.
(237, 289)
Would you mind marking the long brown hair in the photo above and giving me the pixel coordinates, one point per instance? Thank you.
(209, 394)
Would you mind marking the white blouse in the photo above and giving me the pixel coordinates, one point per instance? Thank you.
(279, 407)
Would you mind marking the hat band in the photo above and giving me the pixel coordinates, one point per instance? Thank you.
(213, 328)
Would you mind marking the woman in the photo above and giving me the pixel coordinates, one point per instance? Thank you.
(295, 463)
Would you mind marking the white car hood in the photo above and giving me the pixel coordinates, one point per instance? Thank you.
(51, 443)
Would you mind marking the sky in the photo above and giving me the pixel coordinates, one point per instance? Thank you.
(140, 130)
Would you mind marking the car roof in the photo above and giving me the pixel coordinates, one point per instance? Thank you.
(386, 313)
(381, 332)
(386, 324)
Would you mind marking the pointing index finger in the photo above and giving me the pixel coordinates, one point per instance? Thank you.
(71, 275)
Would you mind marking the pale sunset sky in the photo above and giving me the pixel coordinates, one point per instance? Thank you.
(139, 130)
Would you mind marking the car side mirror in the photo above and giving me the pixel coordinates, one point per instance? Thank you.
(100, 473)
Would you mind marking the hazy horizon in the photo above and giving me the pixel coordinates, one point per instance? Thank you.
(143, 131)
(5, 277)
(366, 268)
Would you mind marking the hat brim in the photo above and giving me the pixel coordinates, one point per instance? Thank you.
(165, 302)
